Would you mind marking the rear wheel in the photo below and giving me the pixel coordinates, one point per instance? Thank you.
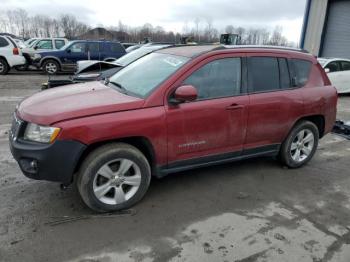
(114, 177)
(51, 67)
(300, 145)
(4, 67)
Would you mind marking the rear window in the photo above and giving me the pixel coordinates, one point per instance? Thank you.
(3, 42)
(302, 71)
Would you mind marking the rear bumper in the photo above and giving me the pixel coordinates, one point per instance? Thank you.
(51, 162)
(16, 60)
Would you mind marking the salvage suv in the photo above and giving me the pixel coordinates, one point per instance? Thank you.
(175, 109)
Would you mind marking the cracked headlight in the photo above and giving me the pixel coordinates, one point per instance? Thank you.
(42, 134)
(36, 57)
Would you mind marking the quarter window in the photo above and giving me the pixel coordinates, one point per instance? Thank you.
(219, 78)
(302, 71)
(263, 74)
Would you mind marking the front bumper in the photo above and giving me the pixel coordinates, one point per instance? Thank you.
(51, 162)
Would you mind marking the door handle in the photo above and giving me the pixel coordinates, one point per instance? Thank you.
(234, 107)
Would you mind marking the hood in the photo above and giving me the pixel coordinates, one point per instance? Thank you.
(74, 101)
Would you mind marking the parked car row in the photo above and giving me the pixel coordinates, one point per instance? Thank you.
(53, 55)
(94, 70)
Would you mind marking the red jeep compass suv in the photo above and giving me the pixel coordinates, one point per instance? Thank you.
(175, 109)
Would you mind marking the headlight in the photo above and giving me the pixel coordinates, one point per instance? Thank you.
(43, 134)
(36, 57)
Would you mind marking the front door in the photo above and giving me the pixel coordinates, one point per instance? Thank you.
(77, 52)
(215, 123)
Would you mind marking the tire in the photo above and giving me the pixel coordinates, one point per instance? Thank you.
(102, 188)
(4, 67)
(51, 67)
(300, 145)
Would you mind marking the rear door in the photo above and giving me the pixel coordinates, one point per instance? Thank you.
(274, 102)
(215, 123)
(93, 49)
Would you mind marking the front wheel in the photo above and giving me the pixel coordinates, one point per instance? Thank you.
(51, 67)
(113, 177)
(300, 145)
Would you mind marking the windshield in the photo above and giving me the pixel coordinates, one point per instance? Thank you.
(144, 75)
(65, 46)
(132, 56)
(322, 61)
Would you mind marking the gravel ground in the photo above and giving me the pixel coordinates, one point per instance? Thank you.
(253, 210)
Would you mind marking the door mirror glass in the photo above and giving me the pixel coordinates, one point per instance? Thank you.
(185, 93)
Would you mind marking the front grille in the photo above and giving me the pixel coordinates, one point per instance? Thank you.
(16, 127)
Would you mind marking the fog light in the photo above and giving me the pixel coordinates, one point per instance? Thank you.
(29, 165)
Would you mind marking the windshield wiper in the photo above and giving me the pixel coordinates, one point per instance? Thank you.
(118, 85)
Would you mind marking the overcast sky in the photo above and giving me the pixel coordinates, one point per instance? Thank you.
(172, 14)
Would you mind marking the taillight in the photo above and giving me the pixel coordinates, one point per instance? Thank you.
(15, 51)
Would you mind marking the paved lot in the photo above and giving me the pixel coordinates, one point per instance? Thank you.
(249, 211)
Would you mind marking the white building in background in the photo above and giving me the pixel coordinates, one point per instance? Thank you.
(326, 28)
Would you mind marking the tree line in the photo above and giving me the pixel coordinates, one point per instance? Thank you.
(20, 23)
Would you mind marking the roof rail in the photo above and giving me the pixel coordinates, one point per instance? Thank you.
(266, 47)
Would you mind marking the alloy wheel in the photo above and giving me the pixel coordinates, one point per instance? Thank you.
(117, 181)
(51, 68)
(302, 145)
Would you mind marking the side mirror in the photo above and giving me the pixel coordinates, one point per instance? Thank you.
(184, 94)
(327, 70)
(35, 47)
(69, 51)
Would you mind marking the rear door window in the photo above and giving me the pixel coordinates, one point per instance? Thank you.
(93, 47)
(263, 74)
(3, 42)
(302, 71)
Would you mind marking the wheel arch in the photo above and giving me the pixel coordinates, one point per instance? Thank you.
(50, 58)
(141, 143)
(3, 57)
(318, 120)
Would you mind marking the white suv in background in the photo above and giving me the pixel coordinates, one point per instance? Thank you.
(10, 55)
